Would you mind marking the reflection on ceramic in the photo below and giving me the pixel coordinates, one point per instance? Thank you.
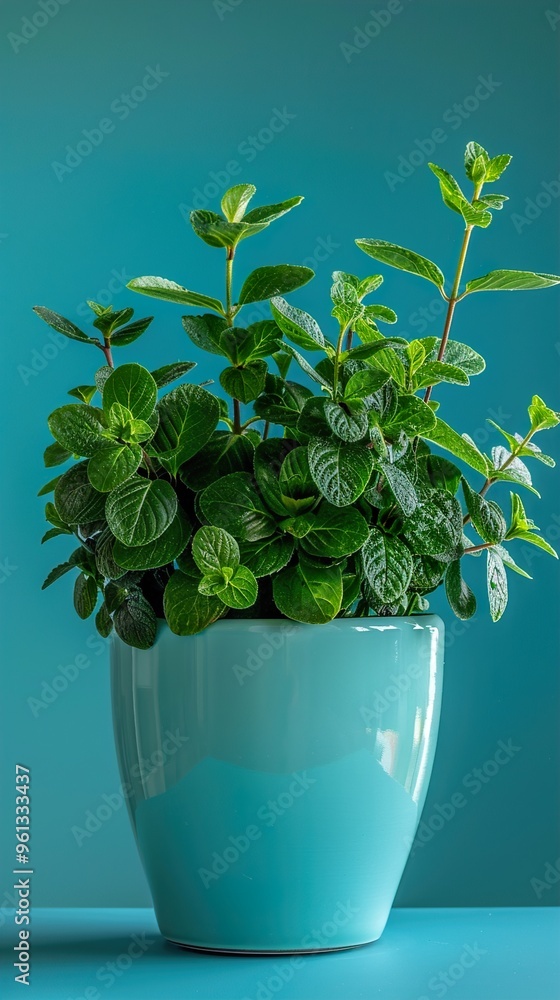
(277, 773)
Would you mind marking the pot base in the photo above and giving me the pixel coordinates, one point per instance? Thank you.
(264, 953)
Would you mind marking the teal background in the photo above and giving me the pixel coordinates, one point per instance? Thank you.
(229, 66)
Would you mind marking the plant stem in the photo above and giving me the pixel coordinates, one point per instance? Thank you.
(266, 430)
(230, 253)
(492, 479)
(106, 348)
(478, 548)
(236, 417)
(454, 297)
(349, 335)
(337, 357)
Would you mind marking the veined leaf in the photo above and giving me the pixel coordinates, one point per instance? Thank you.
(133, 387)
(169, 373)
(433, 372)
(214, 549)
(140, 510)
(135, 621)
(486, 516)
(162, 288)
(268, 555)
(187, 611)
(77, 429)
(403, 259)
(245, 382)
(497, 585)
(267, 282)
(235, 201)
(76, 500)
(308, 593)
(335, 532)
(297, 325)
(459, 594)
(205, 331)
(160, 552)
(340, 470)
(233, 503)
(62, 325)
(130, 333)
(447, 438)
(112, 465)
(188, 415)
(510, 281)
(387, 565)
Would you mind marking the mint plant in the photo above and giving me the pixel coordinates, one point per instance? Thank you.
(308, 497)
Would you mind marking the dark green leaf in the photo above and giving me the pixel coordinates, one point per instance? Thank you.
(436, 526)
(437, 371)
(266, 282)
(135, 621)
(340, 470)
(168, 373)
(84, 393)
(442, 474)
(404, 260)
(268, 555)
(140, 510)
(104, 558)
(244, 383)
(104, 622)
(85, 595)
(130, 333)
(160, 552)
(459, 594)
(234, 504)
(413, 416)
(48, 487)
(224, 453)
(510, 281)
(112, 465)
(187, 611)
(161, 288)
(308, 593)
(348, 420)
(56, 573)
(335, 532)
(239, 591)
(486, 516)
(76, 499)
(497, 585)
(205, 331)
(55, 454)
(62, 325)
(77, 429)
(297, 325)
(387, 565)
(133, 387)
(444, 435)
(400, 486)
(364, 383)
(187, 417)
(282, 402)
(214, 549)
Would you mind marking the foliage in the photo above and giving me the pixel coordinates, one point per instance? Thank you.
(313, 495)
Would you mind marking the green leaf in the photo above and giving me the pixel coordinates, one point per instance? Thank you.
(140, 510)
(509, 562)
(436, 526)
(107, 320)
(495, 201)
(335, 532)
(387, 565)
(55, 454)
(341, 471)
(77, 429)
(168, 373)
(263, 340)
(447, 438)
(135, 621)
(104, 622)
(48, 487)
(101, 376)
(217, 232)
(496, 167)
(413, 416)
(347, 308)
(460, 355)
(541, 416)
(160, 552)
(85, 595)
(235, 201)
(224, 453)
(240, 591)
(187, 611)
(205, 331)
(133, 387)
(112, 465)
(364, 351)
(442, 474)
(404, 260)
(459, 594)
(497, 585)
(269, 213)
(348, 420)
(383, 313)
(268, 460)
(308, 593)
(266, 282)
(476, 161)
(76, 500)
(104, 560)
(62, 325)
(187, 417)
(56, 573)
(454, 198)
(234, 504)
(214, 549)
(437, 371)
(363, 383)
(84, 393)
(510, 281)
(516, 472)
(53, 533)
(313, 373)
(161, 288)
(297, 489)
(401, 487)
(268, 555)
(297, 325)
(130, 333)
(245, 382)
(486, 516)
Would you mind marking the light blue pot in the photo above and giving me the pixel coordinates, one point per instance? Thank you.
(275, 775)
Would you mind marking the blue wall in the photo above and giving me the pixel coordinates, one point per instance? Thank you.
(353, 108)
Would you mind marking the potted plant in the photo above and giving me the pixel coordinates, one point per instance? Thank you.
(265, 564)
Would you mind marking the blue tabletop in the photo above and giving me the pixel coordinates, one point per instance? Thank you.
(424, 954)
